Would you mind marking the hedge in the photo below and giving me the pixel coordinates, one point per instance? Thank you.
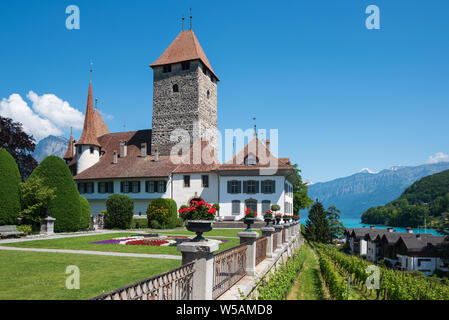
(85, 213)
(65, 207)
(10, 189)
(162, 213)
(120, 211)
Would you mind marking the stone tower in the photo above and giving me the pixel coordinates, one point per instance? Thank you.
(184, 94)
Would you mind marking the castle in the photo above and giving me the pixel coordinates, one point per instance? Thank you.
(139, 163)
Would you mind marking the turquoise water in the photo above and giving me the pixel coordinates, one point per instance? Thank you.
(355, 223)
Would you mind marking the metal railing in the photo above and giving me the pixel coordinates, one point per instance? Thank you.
(229, 268)
(261, 249)
(175, 284)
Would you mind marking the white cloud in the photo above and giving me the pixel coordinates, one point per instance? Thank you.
(57, 111)
(438, 157)
(49, 116)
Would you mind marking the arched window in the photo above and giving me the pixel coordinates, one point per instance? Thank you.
(175, 88)
(251, 204)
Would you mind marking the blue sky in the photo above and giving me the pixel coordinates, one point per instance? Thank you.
(343, 97)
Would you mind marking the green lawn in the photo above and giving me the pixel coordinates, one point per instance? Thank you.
(84, 243)
(38, 275)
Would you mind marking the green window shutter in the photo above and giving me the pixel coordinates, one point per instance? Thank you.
(164, 184)
(229, 186)
(257, 187)
(121, 186)
(138, 186)
(273, 184)
(245, 186)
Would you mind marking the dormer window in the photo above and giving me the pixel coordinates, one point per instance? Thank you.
(166, 68)
(175, 88)
(185, 65)
(250, 160)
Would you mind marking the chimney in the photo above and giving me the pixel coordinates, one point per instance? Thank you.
(143, 150)
(371, 226)
(267, 143)
(390, 229)
(409, 230)
(123, 149)
(114, 160)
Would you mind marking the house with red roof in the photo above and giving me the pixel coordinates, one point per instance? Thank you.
(177, 158)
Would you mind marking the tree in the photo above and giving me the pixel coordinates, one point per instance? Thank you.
(85, 213)
(9, 189)
(301, 199)
(162, 213)
(36, 198)
(120, 211)
(336, 227)
(19, 144)
(65, 207)
(317, 225)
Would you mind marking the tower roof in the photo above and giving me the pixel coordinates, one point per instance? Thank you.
(100, 126)
(69, 153)
(89, 135)
(185, 47)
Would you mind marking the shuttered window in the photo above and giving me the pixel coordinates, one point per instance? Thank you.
(236, 207)
(268, 186)
(252, 186)
(234, 186)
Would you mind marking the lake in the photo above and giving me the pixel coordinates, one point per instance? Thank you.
(355, 223)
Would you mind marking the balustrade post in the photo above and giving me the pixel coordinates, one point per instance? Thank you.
(50, 221)
(250, 239)
(278, 228)
(203, 255)
(287, 231)
(268, 232)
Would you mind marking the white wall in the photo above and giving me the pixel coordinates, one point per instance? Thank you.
(182, 195)
(363, 246)
(97, 200)
(371, 251)
(412, 263)
(227, 198)
(85, 159)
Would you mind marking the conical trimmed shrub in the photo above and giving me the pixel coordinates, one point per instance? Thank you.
(65, 207)
(9, 189)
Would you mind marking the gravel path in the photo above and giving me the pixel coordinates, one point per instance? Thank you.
(99, 253)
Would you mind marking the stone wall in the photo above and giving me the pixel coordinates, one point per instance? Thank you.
(191, 108)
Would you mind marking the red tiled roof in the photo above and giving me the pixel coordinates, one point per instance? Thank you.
(201, 158)
(89, 135)
(266, 159)
(69, 153)
(185, 47)
(100, 126)
(133, 165)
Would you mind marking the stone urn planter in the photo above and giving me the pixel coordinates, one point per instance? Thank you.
(199, 227)
(249, 222)
(268, 220)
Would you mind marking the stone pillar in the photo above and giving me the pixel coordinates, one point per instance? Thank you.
(249, 237)
(203, 255)
(268, 232)
(286, 225)
(50, 225)
(278, 228)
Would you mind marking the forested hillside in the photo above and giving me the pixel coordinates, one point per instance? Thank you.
(427, 199)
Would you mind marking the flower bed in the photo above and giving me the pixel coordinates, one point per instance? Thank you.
(152, 240)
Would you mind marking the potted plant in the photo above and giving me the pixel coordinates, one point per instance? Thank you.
(268, 217)
(250, 217)
(278, 218)
(296, 217)
(286, 218)
(198, 218)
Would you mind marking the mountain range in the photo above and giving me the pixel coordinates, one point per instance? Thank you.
(355, 194)
(51, 145)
